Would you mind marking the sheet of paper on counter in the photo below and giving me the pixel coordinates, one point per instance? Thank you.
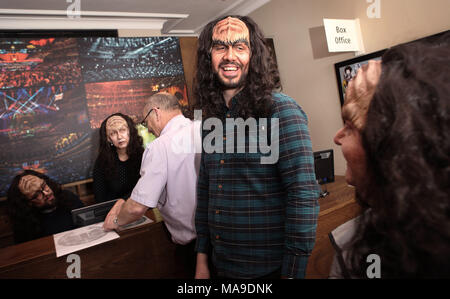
(81, 238)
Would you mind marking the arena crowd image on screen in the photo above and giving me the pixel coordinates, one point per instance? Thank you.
(38, 62)
(114, 59)
(41, 124)
(106, 98)
(55, 92)
(28, 112)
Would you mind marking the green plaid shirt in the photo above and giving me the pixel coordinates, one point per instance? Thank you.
(257, 217)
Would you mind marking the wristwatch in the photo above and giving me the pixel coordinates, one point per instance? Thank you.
(115, 221)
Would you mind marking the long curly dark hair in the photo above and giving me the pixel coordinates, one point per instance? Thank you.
(262, 79)
(107, 154)
(407, 142)
(25, 217)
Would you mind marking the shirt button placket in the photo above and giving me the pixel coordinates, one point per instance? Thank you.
(221, 163)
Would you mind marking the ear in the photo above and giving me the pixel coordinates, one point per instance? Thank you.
(158, 113)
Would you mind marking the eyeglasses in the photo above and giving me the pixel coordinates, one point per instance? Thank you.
(143, 121)
(39, 192)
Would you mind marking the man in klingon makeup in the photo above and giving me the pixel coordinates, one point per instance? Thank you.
(253, 219)
(38, 207)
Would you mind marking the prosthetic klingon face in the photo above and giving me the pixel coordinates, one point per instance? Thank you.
(37, 191)
(359, 94)
(230, 52)
(118, 132)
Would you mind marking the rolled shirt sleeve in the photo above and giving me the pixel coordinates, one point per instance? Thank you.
(150, 187)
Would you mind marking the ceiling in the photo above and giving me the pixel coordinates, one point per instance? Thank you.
(172, 17)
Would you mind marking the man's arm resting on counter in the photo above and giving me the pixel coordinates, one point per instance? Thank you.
(126, 212)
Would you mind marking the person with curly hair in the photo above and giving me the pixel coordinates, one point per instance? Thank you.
(253, 219)
(38, 207)
(396, 140)
(116, 169)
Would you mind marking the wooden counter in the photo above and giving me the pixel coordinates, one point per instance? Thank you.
(147, 251)
(335, 209)
(143, 252)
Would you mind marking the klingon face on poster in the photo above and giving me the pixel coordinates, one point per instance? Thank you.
(54, 92)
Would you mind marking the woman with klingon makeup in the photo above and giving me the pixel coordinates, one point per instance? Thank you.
(38, 207)
(116, 170)
(396, 141)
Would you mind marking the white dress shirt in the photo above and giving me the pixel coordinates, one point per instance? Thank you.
(169, 172)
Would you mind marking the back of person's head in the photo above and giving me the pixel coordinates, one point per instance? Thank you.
(164, 101)
(407, 142)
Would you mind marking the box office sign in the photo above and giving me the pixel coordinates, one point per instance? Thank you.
(343, 35)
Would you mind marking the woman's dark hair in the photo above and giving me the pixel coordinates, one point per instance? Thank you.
(407, 142)
(107, 153)
(262, 79)
(23, 215)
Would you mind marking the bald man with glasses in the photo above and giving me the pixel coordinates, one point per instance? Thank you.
(169, 171)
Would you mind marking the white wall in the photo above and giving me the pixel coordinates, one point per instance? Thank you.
(138, 32)
(307, 71)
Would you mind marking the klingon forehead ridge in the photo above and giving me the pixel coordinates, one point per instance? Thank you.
(230, 31)
(114, 122)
